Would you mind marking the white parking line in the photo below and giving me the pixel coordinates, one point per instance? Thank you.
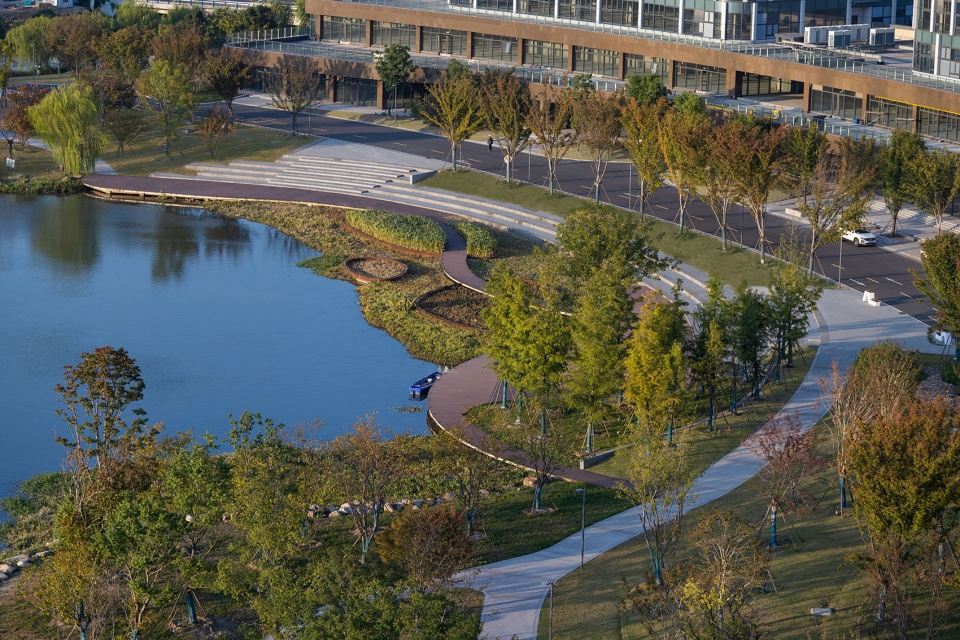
(906, 295)
(857, 282)
(900, 284)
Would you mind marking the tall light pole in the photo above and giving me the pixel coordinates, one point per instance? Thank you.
(550, 628)
(583, 521)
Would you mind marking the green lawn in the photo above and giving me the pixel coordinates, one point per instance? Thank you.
(811, 569)
(146, 155)
(31, 162)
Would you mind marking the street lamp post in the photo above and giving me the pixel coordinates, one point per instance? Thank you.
(550, 628)
(583, 521)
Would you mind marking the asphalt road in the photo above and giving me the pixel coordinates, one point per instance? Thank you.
(884, 272)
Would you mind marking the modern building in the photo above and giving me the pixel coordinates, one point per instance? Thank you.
(718, 47)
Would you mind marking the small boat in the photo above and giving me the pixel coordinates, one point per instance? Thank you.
(419, 389)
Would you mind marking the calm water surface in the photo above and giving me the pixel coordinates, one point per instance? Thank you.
(216, 312)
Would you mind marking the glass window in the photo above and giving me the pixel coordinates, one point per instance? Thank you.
(336, 29)
(634, 64)
(697, 22)
(596, 61)
(491, 47)
(385, 34)
(536, 7)
(696, 77)
(619, 12)
(448, 41)
(495, 5)
(585, 10)
(890, 113)
(545, 54)
(836, 102)
(755, 85)
(940, 124)
(660, 17)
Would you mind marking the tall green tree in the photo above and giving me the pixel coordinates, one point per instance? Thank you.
(394, 67)
(750, 321)
(165, 89)
(550, 123)
(641, 123)
(682, 137)
(28, 44)
(804, 147)
(68, 120)
(647, 89)
(453, 108)
(718, 175)
(506, 112)
(134, 13)
(72, 39)
(125, 52)
(896, 160)
(934, 182)
(710, 346)
(941, 266)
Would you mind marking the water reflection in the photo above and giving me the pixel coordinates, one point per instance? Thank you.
(175, 243)
(225, 237)
(67, 237)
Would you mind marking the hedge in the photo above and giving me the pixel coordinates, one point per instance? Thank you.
(480, 242)
(411, 232)
(42, 186)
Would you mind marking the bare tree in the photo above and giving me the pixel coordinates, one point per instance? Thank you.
(296, 86)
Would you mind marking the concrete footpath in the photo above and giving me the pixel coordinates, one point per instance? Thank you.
(515, 589)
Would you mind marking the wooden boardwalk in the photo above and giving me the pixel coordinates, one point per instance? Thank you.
(467, 385)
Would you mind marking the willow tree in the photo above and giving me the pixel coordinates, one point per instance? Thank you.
(550, 122)
(506, 108)
(454, 109)
(68, 121)
(641, 122)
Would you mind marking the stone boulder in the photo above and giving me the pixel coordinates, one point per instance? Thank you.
(333, 514)
(346, 509)
(8, 568)
(530, 481)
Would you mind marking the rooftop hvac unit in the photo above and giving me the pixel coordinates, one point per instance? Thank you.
(839, 39)
(881, 37)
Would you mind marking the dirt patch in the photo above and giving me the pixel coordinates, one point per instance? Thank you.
(369, 269)
(457, 305)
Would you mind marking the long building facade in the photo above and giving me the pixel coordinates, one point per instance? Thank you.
(709, 46)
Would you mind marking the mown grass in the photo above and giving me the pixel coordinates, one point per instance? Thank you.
(31, 163)
(386, 305)
(811, 569)
(733, 266)
(146, 154)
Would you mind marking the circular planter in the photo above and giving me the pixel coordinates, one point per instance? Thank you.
(366, 270)
(421, 302)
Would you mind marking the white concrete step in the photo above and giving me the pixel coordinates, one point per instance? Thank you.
(536, 217)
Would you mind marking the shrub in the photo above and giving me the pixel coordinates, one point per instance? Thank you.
(410, 232)
(480, 242)
(42, 186)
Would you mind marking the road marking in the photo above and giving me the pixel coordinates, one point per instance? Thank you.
(624, 195)
(906, 295)
(899, 284)
(872, 280)
(857, 282)
(400, 143)
(443, 153)
(660, 206)
(836, 266)
(359, 136)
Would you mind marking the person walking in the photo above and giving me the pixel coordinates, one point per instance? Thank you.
(489, 143)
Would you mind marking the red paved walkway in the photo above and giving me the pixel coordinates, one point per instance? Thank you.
(467, 385)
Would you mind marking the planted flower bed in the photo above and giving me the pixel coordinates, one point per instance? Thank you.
(366, 270)
(455, 305)
(408, 232)
(480, 242)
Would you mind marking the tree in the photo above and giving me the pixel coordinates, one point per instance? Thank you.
(28, 43)
(506, 112)
(603, 317)
(641, 122)
(941, 265)
(126, 52)
(750, 315)
(182, 46)
(718, 175)
(906, 467)
(647, 89)
(7, 60)
(596, 117)
(133, 13)
(228, 70)
(804, 148)
(690, 105)
(469, 471)
(759, 155)
(68, 121)
(394, 67)
(589, 235)
(840, 190)
(366, 470)
(72, 38)
(429, 544)
(16, 124)
(935, 181)
(297, 86)
(785, 446)
(111, 91)
(730, 565)
(792, 300)
(125, 125)
(896, 159)
(215, 127)
(681, 136)
(710, 346)
(655, 365)
(659, 478)
(550, 124)
(453, 108)
(166, 90)
(96, 394)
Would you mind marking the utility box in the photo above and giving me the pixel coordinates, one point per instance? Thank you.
(882, 37)
(839, 39)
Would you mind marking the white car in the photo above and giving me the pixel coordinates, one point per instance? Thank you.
(860, 237)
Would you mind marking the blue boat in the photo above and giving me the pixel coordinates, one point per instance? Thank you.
(420, 388)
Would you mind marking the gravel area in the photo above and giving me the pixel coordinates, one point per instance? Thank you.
(458, 304)
(377, 268)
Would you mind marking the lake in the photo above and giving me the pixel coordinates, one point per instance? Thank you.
(215, 311)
